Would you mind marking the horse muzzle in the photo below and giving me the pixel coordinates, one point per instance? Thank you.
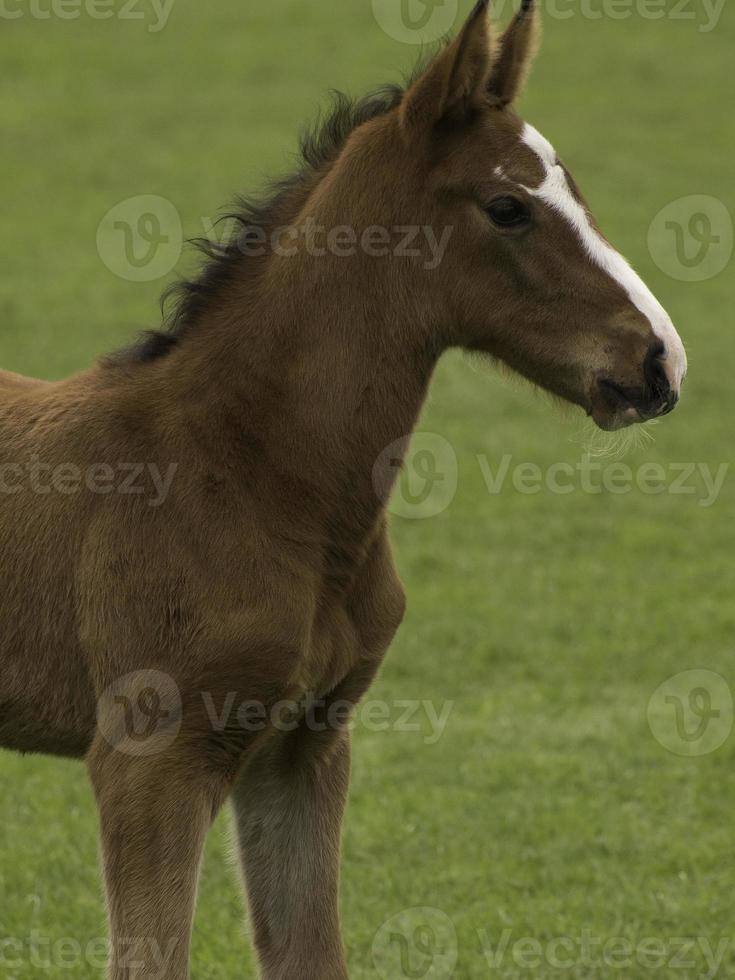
(616, 405)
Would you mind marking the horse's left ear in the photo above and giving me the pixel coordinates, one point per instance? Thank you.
(455, 80)
(517, 49)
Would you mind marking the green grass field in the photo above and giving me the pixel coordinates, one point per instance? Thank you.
(547, 809)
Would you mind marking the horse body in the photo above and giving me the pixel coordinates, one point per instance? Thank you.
(87, 572)
(45, 690)
(197, 526)
(229, 599)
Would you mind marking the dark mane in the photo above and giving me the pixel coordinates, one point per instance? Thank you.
(184, 302)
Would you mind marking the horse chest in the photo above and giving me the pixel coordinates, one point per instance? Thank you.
(354, 629)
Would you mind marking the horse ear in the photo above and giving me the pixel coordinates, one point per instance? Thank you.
(455, 80)
(517, 49)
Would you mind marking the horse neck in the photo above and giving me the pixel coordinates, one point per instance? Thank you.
(325, 372)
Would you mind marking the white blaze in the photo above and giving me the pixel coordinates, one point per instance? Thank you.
(555, 191)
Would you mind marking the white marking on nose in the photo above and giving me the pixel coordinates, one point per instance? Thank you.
(555, 191)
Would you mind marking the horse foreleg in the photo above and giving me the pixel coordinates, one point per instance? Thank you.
(155, 812)
(289, 802)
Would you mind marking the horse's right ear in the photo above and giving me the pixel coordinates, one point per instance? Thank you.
(517, 49)
(455, 80)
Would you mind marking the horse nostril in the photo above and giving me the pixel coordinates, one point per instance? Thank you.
(654, 372)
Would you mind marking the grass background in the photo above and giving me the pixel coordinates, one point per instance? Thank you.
(547, 807)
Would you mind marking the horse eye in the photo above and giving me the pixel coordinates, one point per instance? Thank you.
(507, 212)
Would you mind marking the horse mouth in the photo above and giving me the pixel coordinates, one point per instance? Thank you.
(615, 406)
(613, 421)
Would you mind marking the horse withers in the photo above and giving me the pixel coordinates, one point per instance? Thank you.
(249, 563)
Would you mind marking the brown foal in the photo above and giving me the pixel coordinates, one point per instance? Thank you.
(265, 576)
